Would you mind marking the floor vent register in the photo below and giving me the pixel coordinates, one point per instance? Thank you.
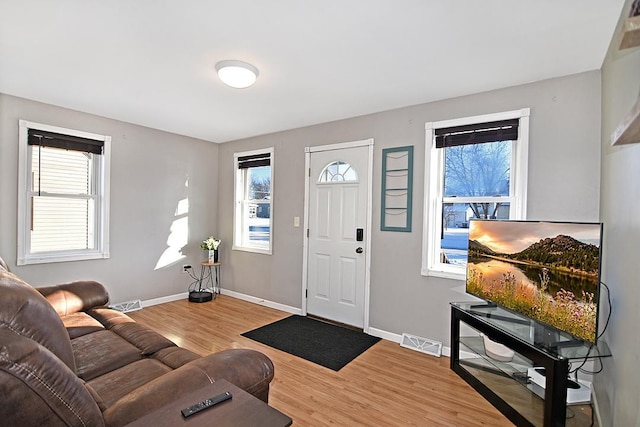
(127, 306)
(423, 345)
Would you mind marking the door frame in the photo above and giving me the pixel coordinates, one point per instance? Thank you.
(367, 243)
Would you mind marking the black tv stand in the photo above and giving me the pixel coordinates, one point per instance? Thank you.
(505, 383)
(495, 316)
(483, 305)
(565, 344)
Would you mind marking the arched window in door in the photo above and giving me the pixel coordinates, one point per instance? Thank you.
(338, 172)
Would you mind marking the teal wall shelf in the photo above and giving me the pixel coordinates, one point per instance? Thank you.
(397, 189)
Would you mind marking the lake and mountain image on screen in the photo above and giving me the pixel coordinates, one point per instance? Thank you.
(548, 271)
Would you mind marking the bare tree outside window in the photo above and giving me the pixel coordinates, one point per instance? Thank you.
(478, 170)
(476, 183)
(260, 186)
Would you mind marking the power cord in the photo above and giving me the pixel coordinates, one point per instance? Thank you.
(606, 324)
(193, 286)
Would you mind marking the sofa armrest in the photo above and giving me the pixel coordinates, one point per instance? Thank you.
(77, 296)
(249, 370)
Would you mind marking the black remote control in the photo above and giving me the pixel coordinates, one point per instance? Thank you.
(207, 403)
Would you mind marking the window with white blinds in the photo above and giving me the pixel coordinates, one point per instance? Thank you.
(64, 200)
(477, 169)
(253, 210)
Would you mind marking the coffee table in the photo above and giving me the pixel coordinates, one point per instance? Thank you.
(242, 410)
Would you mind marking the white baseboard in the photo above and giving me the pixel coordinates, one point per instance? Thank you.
(596, 408)
(262, 301)
(389, 336)
(162, 300)
(238, 295)
(397, 338)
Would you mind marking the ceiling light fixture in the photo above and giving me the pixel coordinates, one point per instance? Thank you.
(237, 74)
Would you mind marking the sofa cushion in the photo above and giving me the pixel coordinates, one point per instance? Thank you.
(109, 317)
(102, 352)
(155, 394)
(144, 338)
(118, 383)
(175, 357)
(38, 389)
(26, 312)
(80, 323)
(247, 369)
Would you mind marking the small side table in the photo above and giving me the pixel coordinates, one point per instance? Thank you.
(204, 289)
(206, 277)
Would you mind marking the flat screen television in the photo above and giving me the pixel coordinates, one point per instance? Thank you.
(547, 271)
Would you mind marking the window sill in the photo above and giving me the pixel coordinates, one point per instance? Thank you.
(444, 274)
(51, 258)
(253, 250)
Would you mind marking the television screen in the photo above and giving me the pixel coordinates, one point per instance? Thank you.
(548, 271)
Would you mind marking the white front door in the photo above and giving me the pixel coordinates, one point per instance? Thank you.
(338, 230)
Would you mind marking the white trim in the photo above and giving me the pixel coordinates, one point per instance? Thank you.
(165, 299)
(433, 186)
(102, 209)
(232, 294)
(397, 338)
(367, 269)
(482, 118)
(375, 332)
(305, 258)
(596, 405)
(261, 301)
(389, 336)
(339, 146)
(305, 230)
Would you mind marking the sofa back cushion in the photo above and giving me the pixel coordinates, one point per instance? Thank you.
(75, 297)
(24, 311)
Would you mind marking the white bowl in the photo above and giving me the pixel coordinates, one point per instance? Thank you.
(496, 350)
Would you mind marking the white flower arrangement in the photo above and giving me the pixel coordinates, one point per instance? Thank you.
(210, 244)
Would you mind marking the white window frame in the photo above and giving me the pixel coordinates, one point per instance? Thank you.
(102, 175)
(239, 192)
(434, 187)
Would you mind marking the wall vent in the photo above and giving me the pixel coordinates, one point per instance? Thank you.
(127, 306)
(423, 345)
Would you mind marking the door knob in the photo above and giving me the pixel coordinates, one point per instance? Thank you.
(359, 250)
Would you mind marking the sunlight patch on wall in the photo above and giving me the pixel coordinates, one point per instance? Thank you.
(178, 234)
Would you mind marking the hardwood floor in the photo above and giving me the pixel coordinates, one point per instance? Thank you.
(388, 385)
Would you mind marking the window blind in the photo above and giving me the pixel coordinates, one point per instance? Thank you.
(62, 201)
(254, 161)
(503, 130)
(68, 142)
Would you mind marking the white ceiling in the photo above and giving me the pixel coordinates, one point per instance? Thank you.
(151, 62)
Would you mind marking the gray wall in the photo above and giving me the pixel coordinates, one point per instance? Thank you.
(149, 169)
(564, 184)
(618, 388)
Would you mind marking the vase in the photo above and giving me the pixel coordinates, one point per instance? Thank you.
(212, 256)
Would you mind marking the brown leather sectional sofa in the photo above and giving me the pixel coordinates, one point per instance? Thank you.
(66, 359)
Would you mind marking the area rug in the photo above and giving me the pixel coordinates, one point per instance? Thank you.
(319, 342)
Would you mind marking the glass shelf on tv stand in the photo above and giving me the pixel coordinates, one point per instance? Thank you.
(556, 343)
(509, 380)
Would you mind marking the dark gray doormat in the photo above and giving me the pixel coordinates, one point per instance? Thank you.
(327, 345)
